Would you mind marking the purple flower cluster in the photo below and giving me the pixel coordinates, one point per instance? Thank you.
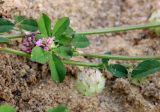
(45, 43)
(29, 42)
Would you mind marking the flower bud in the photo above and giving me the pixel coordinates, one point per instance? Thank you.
(90, 82)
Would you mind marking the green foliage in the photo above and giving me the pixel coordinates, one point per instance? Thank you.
(39, 55)
(57, 68)
(19, 19)
(61, 26)
(26, 24)
(29, 25)
(65, 43)
(60, 108)
(6, 108)
(80, 41)
(146, 68)
(4, 40)
(5, 25)
(39, 36)
(44, 25)
(69, 32)
(118, 70)
(64, 52)
(64, 40)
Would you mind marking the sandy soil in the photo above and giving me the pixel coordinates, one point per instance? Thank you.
(28, 86)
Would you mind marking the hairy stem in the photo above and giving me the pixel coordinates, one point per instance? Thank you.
(120, 29)
(101, 31)
(118, 57)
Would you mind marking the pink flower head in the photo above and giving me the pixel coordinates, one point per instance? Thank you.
(49, 41)
(39, 42)
(29, 42)
(45, 43)
(46, 48)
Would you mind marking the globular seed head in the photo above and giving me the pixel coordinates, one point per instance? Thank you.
(90, 82)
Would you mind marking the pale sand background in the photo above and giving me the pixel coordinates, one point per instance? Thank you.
(28, 86)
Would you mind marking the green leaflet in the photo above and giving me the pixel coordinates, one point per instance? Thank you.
(58, 71)
(4, 40)
(5, 25)
(146, 68)
(61, 26)
(6, 108)
(64, 52)
(118, 70)
(26, 24)
(80, 41)
(44, 25)
(39, 55)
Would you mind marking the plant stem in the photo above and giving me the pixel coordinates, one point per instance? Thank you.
(101, 31)
(12, 51)
(118, 57)
(13, 36)
(70, 62)
(120, 29)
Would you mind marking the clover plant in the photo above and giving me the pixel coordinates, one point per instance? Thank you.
(56, 44)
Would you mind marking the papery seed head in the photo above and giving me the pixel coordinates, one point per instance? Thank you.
(90, 82)
(28, 43)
